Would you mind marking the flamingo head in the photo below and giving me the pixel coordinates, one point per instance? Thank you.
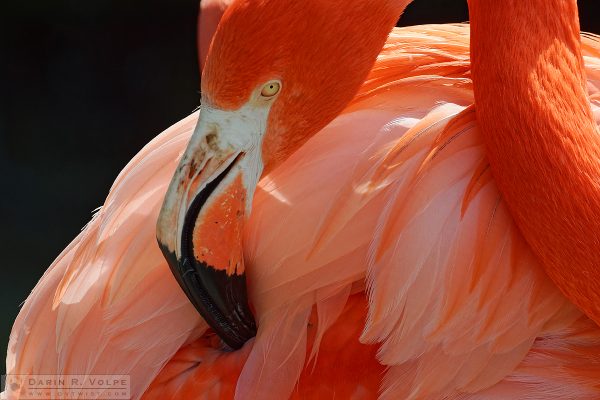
(277, 72)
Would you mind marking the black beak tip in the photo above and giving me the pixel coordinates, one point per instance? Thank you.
(221, 299)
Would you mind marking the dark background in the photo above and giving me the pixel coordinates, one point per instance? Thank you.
(84, 85)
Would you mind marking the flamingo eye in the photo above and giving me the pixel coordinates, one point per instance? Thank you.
(270, 89)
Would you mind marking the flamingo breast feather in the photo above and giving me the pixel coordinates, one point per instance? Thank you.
(385, 232)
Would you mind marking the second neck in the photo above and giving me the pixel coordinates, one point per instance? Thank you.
(541, 141)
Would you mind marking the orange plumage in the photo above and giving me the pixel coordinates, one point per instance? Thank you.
(545, 152)
(382, 256)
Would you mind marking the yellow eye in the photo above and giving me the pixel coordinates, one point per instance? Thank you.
(270, 89)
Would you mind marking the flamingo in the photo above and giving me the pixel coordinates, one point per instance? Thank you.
(412, 199)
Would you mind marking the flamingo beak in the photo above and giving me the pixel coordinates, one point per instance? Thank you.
(201, 223)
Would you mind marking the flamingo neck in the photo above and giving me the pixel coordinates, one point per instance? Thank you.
(541, 141)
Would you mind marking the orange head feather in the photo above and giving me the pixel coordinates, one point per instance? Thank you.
(321, 50)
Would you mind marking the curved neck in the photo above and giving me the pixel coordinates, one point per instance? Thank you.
(542, 144)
